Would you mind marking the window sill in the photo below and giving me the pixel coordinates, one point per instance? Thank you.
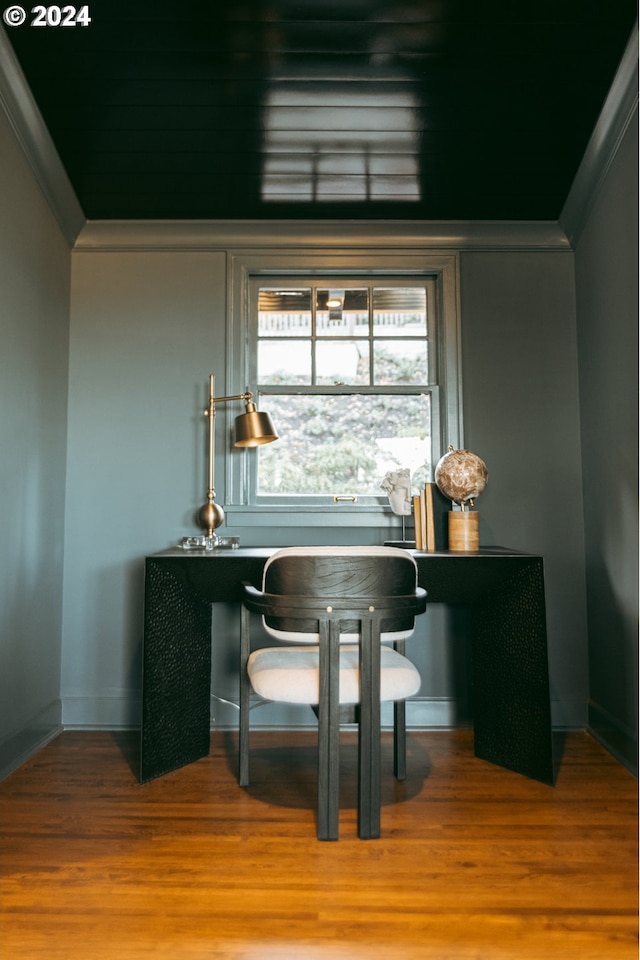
(325, 515)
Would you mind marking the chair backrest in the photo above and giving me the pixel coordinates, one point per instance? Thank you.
(339, 572)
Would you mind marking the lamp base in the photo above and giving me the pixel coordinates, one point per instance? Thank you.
(464, 531)
(200, 543)
(210, 517)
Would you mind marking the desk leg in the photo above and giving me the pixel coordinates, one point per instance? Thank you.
(176, 680)
(512, 715)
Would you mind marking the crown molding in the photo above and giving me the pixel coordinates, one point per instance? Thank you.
(176, 235)
(30, 130)
(618, 112)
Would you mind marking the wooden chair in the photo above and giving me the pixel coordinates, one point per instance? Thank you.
(334, 611)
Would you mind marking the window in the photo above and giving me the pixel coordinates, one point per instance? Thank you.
(352, 368)
(344, 372)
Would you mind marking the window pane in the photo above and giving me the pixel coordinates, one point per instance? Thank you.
(400, 312)
(284, 313)
(400, 361)
(342, 313)
(284, 361)
(342, 361)
(344, 444)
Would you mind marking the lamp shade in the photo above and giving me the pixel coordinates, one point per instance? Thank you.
(254, 428)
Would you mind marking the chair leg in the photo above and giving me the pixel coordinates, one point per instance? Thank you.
(329, 731)
(369, 734)
(400, 730)
(400, 740)
(245, 695)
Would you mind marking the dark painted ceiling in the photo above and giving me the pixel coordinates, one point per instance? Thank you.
(262, 109)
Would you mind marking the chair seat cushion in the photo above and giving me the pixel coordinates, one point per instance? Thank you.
(292, 675)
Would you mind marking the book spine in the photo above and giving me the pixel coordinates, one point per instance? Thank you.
(423, 519)
(430, 543)
(418, 522)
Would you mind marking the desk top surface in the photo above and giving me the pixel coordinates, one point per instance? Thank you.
(265, 552)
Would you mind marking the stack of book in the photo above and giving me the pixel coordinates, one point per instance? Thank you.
(430, 512)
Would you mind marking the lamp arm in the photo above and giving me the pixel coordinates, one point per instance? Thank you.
(210, 412)
(239, 396)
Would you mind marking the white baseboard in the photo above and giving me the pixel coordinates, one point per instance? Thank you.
(569, 714)
(424, 713)
(123, 712)
(615, 736)
(31, 737)
(101, 713)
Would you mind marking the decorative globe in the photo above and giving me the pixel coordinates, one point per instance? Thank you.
(461, 476)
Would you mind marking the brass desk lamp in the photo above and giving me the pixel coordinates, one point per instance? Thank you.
(252, 429)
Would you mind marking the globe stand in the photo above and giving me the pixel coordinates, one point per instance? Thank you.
(464, 531)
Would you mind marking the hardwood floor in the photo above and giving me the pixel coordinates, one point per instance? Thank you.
(475, 862)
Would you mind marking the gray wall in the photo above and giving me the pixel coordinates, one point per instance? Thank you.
(148, 327)
(34, 320)
(520, 373)
(607, 307)
(145, 329)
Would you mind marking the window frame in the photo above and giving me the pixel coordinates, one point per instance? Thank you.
(250, 269)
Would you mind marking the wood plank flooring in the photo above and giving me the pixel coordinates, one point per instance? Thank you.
(474, 863)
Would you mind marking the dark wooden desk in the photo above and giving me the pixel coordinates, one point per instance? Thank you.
(505, 591)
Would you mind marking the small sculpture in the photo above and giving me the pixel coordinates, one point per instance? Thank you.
(397, 485)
